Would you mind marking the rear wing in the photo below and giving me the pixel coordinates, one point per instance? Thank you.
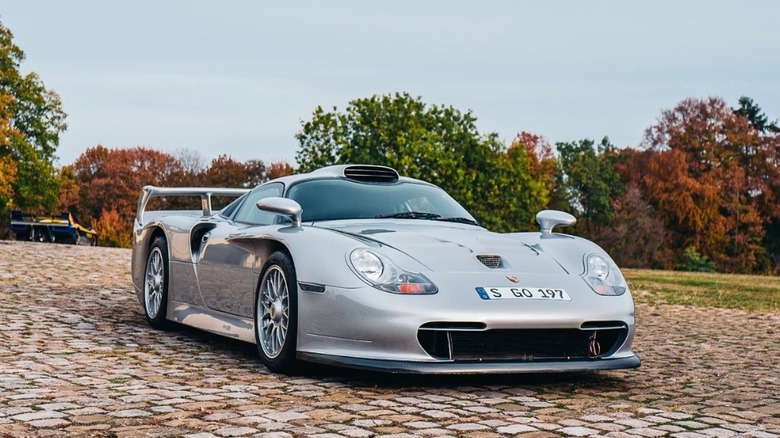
(205, 193)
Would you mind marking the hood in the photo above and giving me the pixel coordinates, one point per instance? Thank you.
(445, 247)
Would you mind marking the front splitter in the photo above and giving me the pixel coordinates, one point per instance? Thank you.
(402, 367)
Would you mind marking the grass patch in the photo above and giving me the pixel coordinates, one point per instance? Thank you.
(746, 292)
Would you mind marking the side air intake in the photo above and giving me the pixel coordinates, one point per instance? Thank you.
(378, 174)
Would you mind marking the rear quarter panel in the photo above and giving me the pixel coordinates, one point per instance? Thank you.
(175, 227)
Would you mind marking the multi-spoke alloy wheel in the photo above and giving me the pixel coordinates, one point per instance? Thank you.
(156, 283)
(275, 311)
(276, 314)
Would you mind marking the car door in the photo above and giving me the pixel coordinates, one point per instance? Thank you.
(227, 272)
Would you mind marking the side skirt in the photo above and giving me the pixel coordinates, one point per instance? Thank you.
(213, 321)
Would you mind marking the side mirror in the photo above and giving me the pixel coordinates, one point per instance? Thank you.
(283, 206)
(549, 219)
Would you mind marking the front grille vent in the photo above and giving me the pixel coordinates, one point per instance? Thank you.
(378, 174)
(526, 345)
(491, 261)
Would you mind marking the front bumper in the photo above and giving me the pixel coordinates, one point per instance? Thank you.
(367, 328)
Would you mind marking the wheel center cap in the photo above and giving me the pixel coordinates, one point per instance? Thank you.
(276, 311)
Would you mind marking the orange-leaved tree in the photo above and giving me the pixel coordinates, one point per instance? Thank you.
(278, 169)
(110, 180)
(708, 172)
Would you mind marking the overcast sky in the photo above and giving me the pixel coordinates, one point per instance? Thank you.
(238, 77)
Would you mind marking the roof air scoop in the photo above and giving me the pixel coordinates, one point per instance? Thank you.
(367, 173)
(549, 219)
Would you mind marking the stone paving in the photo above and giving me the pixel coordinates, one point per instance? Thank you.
(78, 359)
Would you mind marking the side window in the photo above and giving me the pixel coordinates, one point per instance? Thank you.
(250, 214)
(231, 208)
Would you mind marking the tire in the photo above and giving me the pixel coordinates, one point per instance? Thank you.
(156, 284)
(276, 314)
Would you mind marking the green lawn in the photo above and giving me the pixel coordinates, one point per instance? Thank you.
(746, 292)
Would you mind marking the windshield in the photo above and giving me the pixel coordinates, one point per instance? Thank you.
(333, 199)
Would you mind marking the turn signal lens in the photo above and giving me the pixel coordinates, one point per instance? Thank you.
(411, 288)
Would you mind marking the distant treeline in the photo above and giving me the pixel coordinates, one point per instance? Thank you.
(102, 187)
(700, 192)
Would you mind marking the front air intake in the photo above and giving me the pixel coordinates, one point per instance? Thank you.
(458, 342)
(377, 174)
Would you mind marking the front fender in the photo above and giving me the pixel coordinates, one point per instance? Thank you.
(321, 255)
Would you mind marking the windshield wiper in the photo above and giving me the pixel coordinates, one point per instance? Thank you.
(409, 215)
(460, 220)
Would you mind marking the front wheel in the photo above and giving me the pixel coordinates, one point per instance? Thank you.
(156, 284)
(276, 314)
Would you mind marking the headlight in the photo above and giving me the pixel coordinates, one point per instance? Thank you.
(381, 273)
(603, 276)
(598, 266)
(367, 264)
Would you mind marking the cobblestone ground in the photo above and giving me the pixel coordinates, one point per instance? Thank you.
(77, 358)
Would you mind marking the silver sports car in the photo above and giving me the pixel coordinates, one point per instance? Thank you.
(359, 267)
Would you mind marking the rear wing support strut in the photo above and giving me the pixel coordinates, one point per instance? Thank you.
(205, 193)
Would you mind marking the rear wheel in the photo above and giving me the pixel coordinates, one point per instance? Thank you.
(156, 284)
(276, 314)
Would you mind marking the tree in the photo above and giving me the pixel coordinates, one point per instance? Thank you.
(224, 171)
(543, 163)
(636, 237)
(279, 169)
(69, 190)
(103, 185)
(191, 161)
(8, 167)
(111, 179)
(255, 173)
(752, 112)
(766, 167)
(710, 173)
(436, 143)
(192, 167)
(31, 120)
(587, 181)
(113, 229)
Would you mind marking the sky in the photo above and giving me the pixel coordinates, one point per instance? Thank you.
(239, 77)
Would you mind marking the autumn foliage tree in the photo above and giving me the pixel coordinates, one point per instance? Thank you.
(710, 175)
(103, 185)
(278, 169)
(224, 171)
(543, 165)
(111, 179)
(113, 229)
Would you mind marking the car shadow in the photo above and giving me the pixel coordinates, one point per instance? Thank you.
(365, 378)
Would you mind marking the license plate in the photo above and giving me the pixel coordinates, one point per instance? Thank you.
(523, 293)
